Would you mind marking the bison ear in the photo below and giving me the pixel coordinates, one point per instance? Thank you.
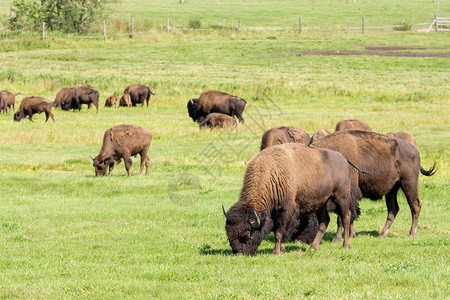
(255, 224)
(224, 211)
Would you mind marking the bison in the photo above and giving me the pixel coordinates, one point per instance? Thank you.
(7, 101)
(404, 136)
(123, 141)
(318, 134)
(34, 105)
(74, 97)
(282, 182)
(214, 101)
(281, 135)
(125, 101)
(391, 164)
(218, 120)
(352, 124)
(138, 93)
(111, 101)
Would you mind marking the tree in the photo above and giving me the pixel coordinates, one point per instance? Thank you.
(64, 15)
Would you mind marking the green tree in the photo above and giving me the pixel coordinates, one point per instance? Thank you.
(64, 15)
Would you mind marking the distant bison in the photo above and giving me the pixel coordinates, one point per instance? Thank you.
(123, 141)
(352, 124)
(34, 105)
(404, 136)
(320, 133)
(74, 97)
(218, 120)
(282, 182)
(215, 102)
(125, 100)
(7, 101)
(111, 101)
(281, 135)
(391, 164)
(138, 93)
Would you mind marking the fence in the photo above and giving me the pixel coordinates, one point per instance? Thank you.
(440, 23)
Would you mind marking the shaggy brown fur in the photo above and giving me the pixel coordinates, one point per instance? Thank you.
(282, 135)
(218, 120)
(320, 133)
(138, 93)
(125, 100)
(211, 101)
(352, 124)
(34, 105)
(7, 101)
(282, 182)
(392, 164)
(111, 101)
(123, 141)
(404, 136)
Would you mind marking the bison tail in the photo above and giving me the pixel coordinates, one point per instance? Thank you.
(356, 167)
(152, 93)
(429, 172)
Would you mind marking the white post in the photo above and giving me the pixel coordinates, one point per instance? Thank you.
(239, 25)
(43, 31)
(132, 28)
(10, 11)
(300, 25)
(363, 23)
(167, 24)
(437, 9)
(104, 30)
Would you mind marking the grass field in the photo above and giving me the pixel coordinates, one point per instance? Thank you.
(67, 234)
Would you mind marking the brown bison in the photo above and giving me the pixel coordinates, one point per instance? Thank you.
(282, 135)
(138, 93)
(111, 101)
(214, 101)
(34, 105)
(218, 120)
(391, 164)
(7, 101)
(282, 182)
(125, 100)
(352, 124)
(74, 97)
(320, 133)
(123, 141)
(404, 136)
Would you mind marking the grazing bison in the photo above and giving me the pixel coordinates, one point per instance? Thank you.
(7, 101)
(218, 120)
(352, 124)
(123, 141)
(391, 164)
(125, 100)
(34, 105)
(138, 93)
(282, 182)
(74, 97)
(320, 133)
(282, 135)
(214, 101)
(404, 136)
(111, 101)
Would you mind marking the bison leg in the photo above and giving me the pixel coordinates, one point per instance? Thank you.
(144, 160)
(111, 168)
(128, 163)
(410, 189)
(392, 207)
(286, 223)
(338, 235)
(324, 220)
(147, 164)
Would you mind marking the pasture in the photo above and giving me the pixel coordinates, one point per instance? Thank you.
(67, 234)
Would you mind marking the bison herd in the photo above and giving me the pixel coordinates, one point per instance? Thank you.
(291, 186)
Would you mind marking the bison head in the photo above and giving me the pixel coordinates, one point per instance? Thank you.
(246, 229)
(192, 109)
(101, 165)
(19, 115)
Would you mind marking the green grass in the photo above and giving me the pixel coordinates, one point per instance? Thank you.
(66, 234)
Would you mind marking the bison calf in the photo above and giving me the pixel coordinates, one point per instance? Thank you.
(282, 135)
(125, 100)
(320, 133)
(282, 182)
(7, 101)
(34, 105)
(123, 141)
(352, 124)
(218, 120)
(111, 101)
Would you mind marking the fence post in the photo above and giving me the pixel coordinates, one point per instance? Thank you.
(300, 25)
(167, 24)
(363, 23)
(10, 11)
(132, 28)
(239, 26)
(435, 22)
(43, 31)
(104, 30)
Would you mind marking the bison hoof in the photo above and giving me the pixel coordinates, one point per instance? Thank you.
(336, 239)
(382, 236)
(346, 247)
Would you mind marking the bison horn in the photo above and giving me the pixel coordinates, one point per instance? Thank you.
(192, 101)
(92, 158)
(257, 222)
(224, 211)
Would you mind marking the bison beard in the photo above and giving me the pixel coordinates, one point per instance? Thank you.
(282, 182)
